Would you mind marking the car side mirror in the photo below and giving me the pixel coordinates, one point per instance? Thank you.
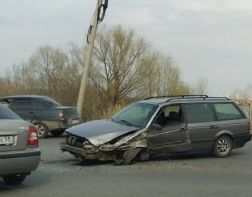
(156, 127)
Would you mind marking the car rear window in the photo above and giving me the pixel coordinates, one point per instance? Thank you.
(227, 111)
(51, 102)
(5, 113)
(198, 113)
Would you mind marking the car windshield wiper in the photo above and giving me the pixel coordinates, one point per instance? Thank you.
(127, 122)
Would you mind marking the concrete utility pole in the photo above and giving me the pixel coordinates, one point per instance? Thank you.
(99, 14)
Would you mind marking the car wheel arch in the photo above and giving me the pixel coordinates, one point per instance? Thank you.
(224, 132)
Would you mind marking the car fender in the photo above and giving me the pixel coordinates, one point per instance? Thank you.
(224, 132)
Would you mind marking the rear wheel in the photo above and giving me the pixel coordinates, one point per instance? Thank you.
(222, 146)
(42, 129)
(14, 180)
(57, 133)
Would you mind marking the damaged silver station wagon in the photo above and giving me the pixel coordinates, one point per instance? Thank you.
(161, 125)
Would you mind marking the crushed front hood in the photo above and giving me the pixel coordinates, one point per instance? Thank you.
(100, 131)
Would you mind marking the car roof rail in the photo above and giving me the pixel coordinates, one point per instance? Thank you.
(178, 96)
(190, 96)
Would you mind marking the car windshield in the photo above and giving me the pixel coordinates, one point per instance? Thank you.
(137, 114)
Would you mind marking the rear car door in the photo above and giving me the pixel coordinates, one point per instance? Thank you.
(42, 110)
(201, 122)
(168, 132)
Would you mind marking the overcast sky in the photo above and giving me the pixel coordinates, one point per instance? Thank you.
(209, 39)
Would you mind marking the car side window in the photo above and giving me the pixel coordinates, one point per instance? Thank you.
(227, 111)
(198, 113)
(20, 104)
(38, 104)
(169, 115)
(47, 104)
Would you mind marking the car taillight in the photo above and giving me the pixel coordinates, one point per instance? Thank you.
(61, 116)
(33, 136)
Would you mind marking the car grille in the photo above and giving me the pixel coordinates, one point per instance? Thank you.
(75, 141)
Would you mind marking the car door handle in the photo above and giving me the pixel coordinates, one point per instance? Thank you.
(213, 127)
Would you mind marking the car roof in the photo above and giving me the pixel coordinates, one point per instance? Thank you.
(183, 99)
(23, 96)
(154, 101)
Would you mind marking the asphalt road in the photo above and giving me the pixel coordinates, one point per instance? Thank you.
(59, 174)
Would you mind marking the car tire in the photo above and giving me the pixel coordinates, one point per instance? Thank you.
(57, 133)
(42, 130)
(223, 146)
(144, 155)
(14, 180)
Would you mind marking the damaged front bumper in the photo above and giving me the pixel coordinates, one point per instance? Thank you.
(122, 151)
(91, 153)
(120, 156)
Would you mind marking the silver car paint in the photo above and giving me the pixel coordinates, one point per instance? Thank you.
(18, 158)
(100, 131)
(19, 165)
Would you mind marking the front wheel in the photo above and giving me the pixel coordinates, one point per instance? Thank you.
(143, 155)
(222, 146)
(14, 180)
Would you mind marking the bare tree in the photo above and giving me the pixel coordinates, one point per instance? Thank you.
(117, 65)
(162, 76)
(200, 87)
(124, 68)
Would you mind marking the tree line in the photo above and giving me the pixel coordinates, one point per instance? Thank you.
(125, 68)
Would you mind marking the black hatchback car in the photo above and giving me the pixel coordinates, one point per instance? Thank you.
(45, 113)
(160, 125)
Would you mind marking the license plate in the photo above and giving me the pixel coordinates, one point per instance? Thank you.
(75, 121)
(6, 140)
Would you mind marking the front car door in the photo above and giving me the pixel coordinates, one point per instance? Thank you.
(168, 131)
